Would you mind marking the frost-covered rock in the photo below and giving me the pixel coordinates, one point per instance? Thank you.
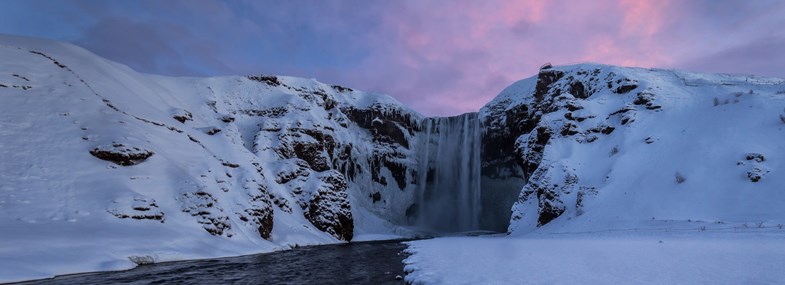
(205, 209)
(121, 154)
(546, 196)
(139, 208)
(584, 136)
(329, 209)
(756, 166)
(182, 115)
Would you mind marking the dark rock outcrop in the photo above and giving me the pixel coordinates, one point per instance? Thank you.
(623, 89)
(756, 173)
(313, 146)
(212, 131)
(311, 153)
(757, 157)
(757, 170)
(530, 155)
(329, 209)
(504, 123)
(340, 88)
(386, 126)
(260, 210)
(182, 115)
(139, 208)
(550, 206)
(271, 80)
(519, 128)
(577, 90)
(392, 130)
(298, 169)
(204, 207)
(121, 154)
(376, 197)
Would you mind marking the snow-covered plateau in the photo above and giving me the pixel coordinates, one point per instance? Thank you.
(104, 168)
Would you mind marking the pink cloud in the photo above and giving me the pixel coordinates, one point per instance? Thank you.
(479, 47)
(644, 17)
(470, 50)
(445, 57)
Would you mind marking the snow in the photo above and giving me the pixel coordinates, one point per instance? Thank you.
(62, 210)
(661, 258)
(619, 190)
(704, 143)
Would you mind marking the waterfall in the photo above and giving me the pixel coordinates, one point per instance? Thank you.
(449, 174)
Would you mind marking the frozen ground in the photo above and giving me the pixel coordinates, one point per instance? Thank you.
(749, 257)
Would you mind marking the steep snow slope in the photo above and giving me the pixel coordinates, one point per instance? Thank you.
(605, 147)
(103, 167)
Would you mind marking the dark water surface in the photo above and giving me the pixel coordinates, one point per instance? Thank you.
(355, 263)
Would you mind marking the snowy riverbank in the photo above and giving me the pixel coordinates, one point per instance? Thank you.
(751, 256)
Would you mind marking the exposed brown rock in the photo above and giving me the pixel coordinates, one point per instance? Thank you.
(271, 80)
(329, 209)
(121, 154)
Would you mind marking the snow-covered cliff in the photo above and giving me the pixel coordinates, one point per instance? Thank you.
(603, 147)
(103, 166)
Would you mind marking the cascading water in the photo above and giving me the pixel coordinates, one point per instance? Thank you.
(449, 200)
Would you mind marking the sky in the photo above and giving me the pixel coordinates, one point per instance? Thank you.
(441, 57)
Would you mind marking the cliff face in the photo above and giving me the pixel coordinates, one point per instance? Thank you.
(515, 135)
(222, 166)
(503, 120)
(602, 147)
(326, 145)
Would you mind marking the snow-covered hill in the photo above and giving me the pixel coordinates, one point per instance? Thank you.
(606, 147)
(102, 166)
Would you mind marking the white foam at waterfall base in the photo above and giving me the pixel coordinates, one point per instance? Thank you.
(449, 200)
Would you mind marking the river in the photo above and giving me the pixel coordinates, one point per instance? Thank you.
(377, 262)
